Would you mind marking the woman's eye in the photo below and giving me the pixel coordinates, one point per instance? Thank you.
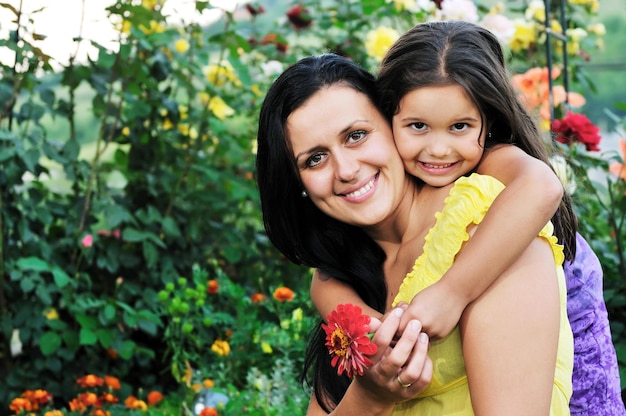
(314, 160)
(356, 136)
(419, 126)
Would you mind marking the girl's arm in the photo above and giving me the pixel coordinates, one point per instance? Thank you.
(532, 195)
(510, 337)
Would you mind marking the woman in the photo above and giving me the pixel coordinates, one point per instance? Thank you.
(363, 219)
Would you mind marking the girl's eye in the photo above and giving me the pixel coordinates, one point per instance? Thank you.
(418, 126)
(459, 126)
(314, 160)
(356, 136)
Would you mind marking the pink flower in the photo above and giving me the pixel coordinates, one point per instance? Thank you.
(347, 339)
(87, 241)
(577, 128)
(617, 168)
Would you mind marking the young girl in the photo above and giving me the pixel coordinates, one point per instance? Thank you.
(442, 85)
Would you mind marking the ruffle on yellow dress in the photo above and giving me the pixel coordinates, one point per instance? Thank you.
(448, 393)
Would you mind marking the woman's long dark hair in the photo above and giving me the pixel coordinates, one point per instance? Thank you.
(463, 53)
(296, 227)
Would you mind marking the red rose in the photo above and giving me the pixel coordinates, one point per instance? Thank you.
(255, 9)
(299, 17)
(577, 128)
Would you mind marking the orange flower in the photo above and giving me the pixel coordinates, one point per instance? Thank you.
(37, 397)
(109, 398)
(283, 294)
(257, 297)
(212, 287)
(112, 382)
(20, 404)
(132, 402)
(208, 383)
(112, 353)
(617, 168)
(53, 413)
(100, 412)
(154, 397)
(90, 380)
(77, 406)
(89, 399)
(208, 411)
(535, 91)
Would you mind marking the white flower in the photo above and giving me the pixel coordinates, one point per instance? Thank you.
(272, 68)
(564, 172)
(499, 25)
(459, 10)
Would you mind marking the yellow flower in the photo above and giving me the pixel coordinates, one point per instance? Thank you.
(53, 413)
(51, 314)
(536, 11)
(576, 34)
(181, 45)
(378, 41)
(208, 383)
(266, 348)
(220, 347)
(125, 27)
(219, 74)
(219, 108)
(523, 37)
(591, 4)
(597, 29)
(149, 4)
(155, 27)
(125, 131)
(296, 315)
(257, 91)
(188, 373)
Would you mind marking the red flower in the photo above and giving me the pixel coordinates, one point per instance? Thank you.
(577, 128)
(274, 39)
(255, 9)
(154, 397)
(283, 294)
(212, 287)
(347, 339)
(299, 17)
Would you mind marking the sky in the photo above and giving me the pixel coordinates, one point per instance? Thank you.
(60, 21)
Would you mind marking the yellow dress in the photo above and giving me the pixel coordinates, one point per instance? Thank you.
(448, 393)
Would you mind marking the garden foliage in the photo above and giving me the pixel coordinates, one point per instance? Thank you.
(132, 241)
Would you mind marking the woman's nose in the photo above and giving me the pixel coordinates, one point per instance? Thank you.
(346, 167)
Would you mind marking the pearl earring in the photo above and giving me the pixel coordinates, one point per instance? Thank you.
(304, 194)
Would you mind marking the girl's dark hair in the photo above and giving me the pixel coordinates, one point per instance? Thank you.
(296, 227)
(463, 53)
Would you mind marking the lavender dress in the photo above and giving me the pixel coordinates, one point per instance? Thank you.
(596, 376)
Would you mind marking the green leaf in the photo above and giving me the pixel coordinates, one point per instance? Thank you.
(106, 337)
(49, 342)
(61, 279)
(33, 263)
(127, 349)
(87, 337)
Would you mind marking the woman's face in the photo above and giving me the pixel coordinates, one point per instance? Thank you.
(346, 157)
(439, 133)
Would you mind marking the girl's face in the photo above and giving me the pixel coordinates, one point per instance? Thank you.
(346, 156)
(438, 133)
